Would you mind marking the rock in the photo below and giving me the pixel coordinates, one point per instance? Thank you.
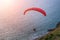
(49, 30)
(58, 25)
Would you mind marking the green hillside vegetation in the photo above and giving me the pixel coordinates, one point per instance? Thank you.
(52, 35)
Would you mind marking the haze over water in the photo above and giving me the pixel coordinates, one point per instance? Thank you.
(14, 25)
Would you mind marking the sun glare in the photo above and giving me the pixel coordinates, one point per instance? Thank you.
(12, 7)
(5, 2)
(9, 9)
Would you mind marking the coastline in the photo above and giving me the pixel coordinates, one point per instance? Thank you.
(53, 34)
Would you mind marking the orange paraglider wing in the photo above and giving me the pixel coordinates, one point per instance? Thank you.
(36, 9)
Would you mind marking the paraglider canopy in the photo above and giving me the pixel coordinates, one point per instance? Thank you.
(35, 9)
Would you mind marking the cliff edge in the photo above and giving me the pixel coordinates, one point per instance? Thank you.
(53, 34)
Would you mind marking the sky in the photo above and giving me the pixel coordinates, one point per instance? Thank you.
(13, 22)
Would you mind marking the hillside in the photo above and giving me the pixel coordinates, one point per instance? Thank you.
(52, 35)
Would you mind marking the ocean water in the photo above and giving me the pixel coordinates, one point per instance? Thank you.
(20, 27)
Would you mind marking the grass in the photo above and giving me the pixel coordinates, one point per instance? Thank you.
(53, 35)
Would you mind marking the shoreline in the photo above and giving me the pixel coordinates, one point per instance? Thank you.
(52, 34)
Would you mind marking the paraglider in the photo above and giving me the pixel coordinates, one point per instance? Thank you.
(34, 29)
(35, 9)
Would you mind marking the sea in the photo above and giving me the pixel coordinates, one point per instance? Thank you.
(20, 27)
